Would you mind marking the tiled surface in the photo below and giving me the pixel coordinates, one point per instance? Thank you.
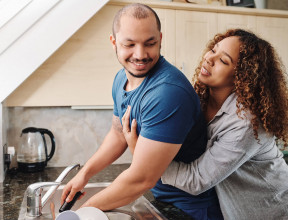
(78, 133)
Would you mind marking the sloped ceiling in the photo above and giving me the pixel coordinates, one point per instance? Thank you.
(32, 30)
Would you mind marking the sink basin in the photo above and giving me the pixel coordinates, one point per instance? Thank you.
(139, 209)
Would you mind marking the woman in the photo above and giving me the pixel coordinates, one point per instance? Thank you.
(243, 90)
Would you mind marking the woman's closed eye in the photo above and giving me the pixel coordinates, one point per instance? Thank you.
(224, 62)
(221, 59)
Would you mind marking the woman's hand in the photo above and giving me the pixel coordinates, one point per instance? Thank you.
(129, 134)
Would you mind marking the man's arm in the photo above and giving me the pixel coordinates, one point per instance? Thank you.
(149, 162)
(112, 148)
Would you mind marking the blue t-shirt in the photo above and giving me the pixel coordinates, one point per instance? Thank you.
(167, 109)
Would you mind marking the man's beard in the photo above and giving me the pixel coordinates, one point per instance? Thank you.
(132, 74)
(139, 75)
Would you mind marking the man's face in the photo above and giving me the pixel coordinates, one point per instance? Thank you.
(137, 44)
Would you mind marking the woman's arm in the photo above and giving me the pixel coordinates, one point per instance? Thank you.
(234, 147)
(219, 161)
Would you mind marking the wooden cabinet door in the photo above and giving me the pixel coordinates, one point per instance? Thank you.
(228, 21)
(275, 30)
(167, 18)
(193, 30)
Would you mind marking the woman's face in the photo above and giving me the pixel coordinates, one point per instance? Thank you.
(219, 64)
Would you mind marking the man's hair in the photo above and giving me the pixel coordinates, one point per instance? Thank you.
(138, 11)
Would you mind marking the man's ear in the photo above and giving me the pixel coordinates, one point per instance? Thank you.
(160, 40)
(113, 41)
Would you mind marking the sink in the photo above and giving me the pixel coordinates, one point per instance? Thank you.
(140, 209)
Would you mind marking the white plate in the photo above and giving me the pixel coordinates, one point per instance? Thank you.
(68, 215)
(91, 213)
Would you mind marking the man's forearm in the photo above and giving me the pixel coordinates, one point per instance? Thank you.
(112, 147)
(139, 177)
(124, 189)
(110, 150)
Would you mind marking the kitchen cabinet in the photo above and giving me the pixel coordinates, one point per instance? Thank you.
(227, 21)
(81, 72)
(275, 30)
(193, 30)
(167, 18)
(272, 29)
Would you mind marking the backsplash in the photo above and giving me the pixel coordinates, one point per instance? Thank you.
(78, 133)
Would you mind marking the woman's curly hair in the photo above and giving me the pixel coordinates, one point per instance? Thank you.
(260, 83)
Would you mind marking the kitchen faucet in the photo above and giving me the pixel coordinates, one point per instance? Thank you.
(34, 201)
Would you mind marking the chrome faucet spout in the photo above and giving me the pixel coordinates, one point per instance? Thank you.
(34, 201)
(60, 179)
(65, 172)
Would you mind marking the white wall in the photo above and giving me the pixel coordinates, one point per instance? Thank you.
(30, 37)
(43, 35)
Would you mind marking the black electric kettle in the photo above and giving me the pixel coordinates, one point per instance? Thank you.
(32, 154)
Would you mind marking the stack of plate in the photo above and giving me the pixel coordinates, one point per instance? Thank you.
(85, 213)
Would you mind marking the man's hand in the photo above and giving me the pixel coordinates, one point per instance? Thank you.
(73, 186)
(112, 148)
(129, 134)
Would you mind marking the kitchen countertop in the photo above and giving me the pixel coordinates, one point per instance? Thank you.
(15, 184)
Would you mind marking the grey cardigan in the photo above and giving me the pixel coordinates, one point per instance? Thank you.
(250, 176)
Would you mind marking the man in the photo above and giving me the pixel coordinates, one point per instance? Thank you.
(166, 108)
